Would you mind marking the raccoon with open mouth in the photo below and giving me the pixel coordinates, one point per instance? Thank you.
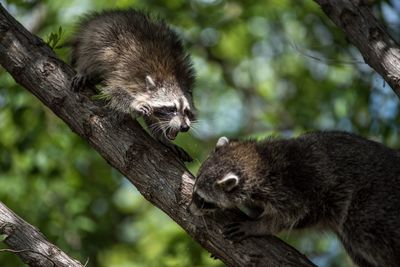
(142, 68)
(334, 180)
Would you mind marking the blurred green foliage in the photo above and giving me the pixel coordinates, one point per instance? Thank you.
(264, 67)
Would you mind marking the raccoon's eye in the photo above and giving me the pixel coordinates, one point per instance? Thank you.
(170, 110)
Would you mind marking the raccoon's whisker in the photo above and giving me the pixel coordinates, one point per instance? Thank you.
(160, 124)
(195, 128)
(196, 131)
(158, 127)
(290, 228)
(160, 130)
(155, 127)
(198, 121)
(203, 120)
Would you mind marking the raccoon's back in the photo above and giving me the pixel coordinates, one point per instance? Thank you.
(128, 39)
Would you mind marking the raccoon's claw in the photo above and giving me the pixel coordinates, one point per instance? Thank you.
(143, 109)
(146, 110)
(78, 82)
(236, 231)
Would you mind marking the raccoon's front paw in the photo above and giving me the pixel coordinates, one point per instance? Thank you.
(182, 154)
(241, 230)
(141, 109)
(78, 82)
(236, 231)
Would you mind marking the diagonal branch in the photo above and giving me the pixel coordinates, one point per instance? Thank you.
(29, 244)
(377, 47)
(152, 168)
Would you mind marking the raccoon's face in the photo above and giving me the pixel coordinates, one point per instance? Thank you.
(174, 118)
(173, 110)
(223, 182)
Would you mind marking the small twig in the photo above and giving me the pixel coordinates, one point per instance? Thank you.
(27, 250)
(365, 32)
(14, 250)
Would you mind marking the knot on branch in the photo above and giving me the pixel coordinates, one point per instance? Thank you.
(347, 17)
(58, 101)
(18, 70)
(7, 229)
(47, 68)
(87, 126)
(374, 34)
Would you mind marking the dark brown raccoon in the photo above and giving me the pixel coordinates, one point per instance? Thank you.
(338, 181)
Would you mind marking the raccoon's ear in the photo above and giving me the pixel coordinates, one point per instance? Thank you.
(222, 141)
(228, 182)
(150, 84)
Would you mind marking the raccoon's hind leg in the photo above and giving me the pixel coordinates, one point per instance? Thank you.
(79, 82)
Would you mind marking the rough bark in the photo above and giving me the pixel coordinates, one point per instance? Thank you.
(152, 168)
(364, 31)
(29, 244)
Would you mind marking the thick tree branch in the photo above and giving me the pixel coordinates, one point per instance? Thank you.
(29, 244)
(377, 47)
(151, 167)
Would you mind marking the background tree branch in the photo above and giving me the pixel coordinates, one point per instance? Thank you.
(29, 244)
(365, 32)
(158, 174)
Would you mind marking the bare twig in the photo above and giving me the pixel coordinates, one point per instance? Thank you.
(29, 244)
(378, 48)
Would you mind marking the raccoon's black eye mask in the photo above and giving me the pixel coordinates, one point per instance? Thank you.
(164, 111)
(190, 115)
(202, 204)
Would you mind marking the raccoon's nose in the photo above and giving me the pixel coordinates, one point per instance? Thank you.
(185, 128)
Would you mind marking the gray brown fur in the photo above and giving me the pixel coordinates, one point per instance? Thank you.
(142, 67)
(334, 180)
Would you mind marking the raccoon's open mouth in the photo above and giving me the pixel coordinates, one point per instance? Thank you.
(171, 134)
(252, 210)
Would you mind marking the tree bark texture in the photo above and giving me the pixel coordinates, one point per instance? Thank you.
(364, 31)
(160, 177)
(29, 244)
